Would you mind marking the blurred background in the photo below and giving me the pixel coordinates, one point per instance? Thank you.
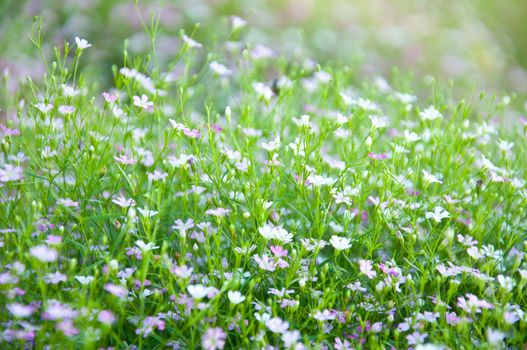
(479, 44)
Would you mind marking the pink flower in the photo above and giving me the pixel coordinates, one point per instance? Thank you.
(342, 344)
(118, 291)
(377, 156)
(193, 134)
(44, 253)
(67, 202)
(278, 251)
(110, 98)
(366, 268)
(106, 317)
(149, 325)
(213, 338)
(53, 240)
(265, 263)
(67, 328)
(57, 311)
(125, 160)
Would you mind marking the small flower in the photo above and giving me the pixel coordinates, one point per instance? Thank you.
(58, 311)
(220, 69)
(277, 325)
(365, 267)
(191, 42)
(265, 263)
(124, 202)
(142, 102)
(263, 91)
(157, 175)
(11, 173)
(145, 247)
(117, 290)
(235, 297)
(272, 145)
(495, 338)
(66, 109)
(67, 202)
(430, 178)
(430, 113)
(106, 317)
(377, 156)
(340, 243)
(54, 278)
(85, 280)
(44, 108)
(290, 338)
(82, 43)
(109, 97)
(198, 291)
(237, 22)
(125, 160)
(438, 214)
(19, 310)
(213, 338)
(44, 253)
(217, 212)
(147, 213)
(270, 231)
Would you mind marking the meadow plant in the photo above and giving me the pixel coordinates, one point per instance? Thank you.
(243, 198)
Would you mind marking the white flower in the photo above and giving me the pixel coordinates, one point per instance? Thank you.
(269, 231)
(506, 282)
(82, 43)
(220, 69)
(430, 114)
(66, 109)
(147, 212)
(303, 121)
(430, 178)
(142, 102)
(474, 252)
(44, 108)
(340, 243)
(318, 180)
(191, 42)
(429, 347)
(378, 121)
(235, 297)
(84, 280)
(411, 136)
(290, 338)
(145, 247)
(70, 91)
(277, 325)
(237, 22)
(272, 145)
(263, 91)
(198, 291)
(495, 337)
(325, 315)
(438, 214)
